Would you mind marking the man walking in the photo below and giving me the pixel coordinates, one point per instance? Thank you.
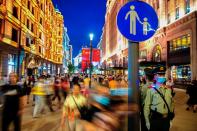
(13, 103)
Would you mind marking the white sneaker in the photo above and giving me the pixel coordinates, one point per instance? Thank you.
(1, 105)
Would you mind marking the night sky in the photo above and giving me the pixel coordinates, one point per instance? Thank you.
(82, 17)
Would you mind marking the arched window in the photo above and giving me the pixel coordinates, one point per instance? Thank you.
(157, 54)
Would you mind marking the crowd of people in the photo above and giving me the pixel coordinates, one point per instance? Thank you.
(72, 93)
(103, 104)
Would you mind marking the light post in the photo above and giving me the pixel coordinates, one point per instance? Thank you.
(90, 72)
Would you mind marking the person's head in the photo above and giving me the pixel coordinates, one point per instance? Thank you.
(132, 7)
(76, 89)
(161, 78)
(41, 78)
(13, 78)
(150, 77)
(145, 19)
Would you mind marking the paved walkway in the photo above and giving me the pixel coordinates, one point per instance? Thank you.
(184, 120)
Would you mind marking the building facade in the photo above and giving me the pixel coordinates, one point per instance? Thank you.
(113, 44)
(175, 40)
(67, 58)
(31, 37)
(174, 43)
(77, 62)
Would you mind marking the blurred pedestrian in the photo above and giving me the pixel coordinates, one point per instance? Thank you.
(1, 95)
(49, 92)
(65, 84)
(71, 115)
(192, 91)
(13, 104)
(86, 81)
(57, 87)
(40, 96)
(123, 83)
(84, 89)
(170, 84)
(113, 83)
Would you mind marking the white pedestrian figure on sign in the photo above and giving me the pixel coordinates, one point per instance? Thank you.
(133, 16)
(146, 26)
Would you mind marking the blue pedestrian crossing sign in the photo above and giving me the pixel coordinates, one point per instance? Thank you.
(137, 21)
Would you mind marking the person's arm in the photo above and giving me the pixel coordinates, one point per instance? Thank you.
(147, 105)
(3, 89)
(169, 99)
(138, 18)
(22, 98)
(22, 104)
(65, 112)
(127, 15)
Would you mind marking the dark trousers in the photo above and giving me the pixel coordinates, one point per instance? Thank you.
(57, 95)
(7, 119)
(65, 94)
(48, 102)
(160, 124)
(143, 123)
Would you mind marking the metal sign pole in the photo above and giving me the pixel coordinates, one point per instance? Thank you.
(136, 25)
(90, 73)
(133, 97)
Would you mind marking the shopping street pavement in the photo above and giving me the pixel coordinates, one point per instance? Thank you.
(183, 121)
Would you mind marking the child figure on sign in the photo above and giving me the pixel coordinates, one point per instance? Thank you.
(146, 26)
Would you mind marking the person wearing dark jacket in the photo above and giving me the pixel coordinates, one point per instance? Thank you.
(13, 103)
(192, 91)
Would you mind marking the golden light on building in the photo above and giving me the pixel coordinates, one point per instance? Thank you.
(174, 43)
(35, 26)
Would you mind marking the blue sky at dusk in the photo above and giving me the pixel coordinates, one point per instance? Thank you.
(82, 17)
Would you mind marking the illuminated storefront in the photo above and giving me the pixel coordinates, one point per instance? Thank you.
(11, 63)
(179, 58)
(181, 73)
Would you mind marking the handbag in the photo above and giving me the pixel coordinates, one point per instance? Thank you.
(171, 115)
(85, 111)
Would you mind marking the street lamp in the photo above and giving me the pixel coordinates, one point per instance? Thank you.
(90, 72)
(91, 36)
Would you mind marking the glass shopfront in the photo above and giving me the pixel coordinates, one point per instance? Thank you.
(180, 43)
(181, 73)
(49, 68)
(11, 63)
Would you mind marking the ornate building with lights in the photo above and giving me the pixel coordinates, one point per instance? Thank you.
(67, 51)
(31, 37)
(175, 42)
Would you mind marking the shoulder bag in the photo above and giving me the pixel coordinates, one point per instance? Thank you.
(85, 112)
(171, 115)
